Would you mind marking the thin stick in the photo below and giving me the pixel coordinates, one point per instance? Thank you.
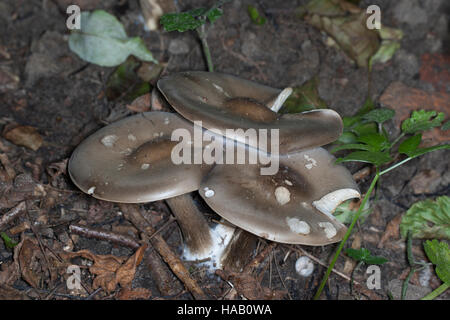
(12, 214)
(131, 213)
(99, 234)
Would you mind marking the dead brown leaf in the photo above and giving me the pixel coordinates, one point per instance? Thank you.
(134, 294)
(392, 230)
(31, 262)
(111, 270)
(140, 104)
(424, 181)
(26, 136)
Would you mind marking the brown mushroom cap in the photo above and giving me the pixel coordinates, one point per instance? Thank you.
(223, 102)
(129, 161)
(283, 207)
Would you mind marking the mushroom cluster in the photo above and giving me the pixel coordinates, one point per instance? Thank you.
(132, 161)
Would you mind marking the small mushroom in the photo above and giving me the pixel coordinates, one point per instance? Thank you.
(293, 206)
(129, 161)
(227, 103)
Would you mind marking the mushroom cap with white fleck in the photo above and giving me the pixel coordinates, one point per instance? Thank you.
(129, 161)
(223, 101)
(295, 205)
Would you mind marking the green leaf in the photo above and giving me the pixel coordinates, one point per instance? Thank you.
(353, 146)
(102, 40)
(377, 141)
(385, 53)
(214, 14)
(361, 129)
(346, 138)
(410, 145)
(345, 212)
(180, 22)
(376, 158)
(445, 126)
(439, 255)
(255, 16)
(428, 219)
(379, 115)
(9, 243)
(364, 255)
(422, 120)
(304, 98)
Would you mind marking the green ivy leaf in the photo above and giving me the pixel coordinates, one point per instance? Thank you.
(428, 219)
(439, 255)
(408, 146)
(9, 243)
(255, 16)
(379, 115)
(422, 120)
(376, 158)
(365, 256)
(102, 40)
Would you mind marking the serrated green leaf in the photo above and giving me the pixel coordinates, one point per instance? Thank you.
(379, 115)
(377, 141)
(422, 120)
(439, 255)
(364, 255)
(353, 146)
(410, 145)
(102, 40)
(180, 22)
(428, 219)
(9, 243)
(376, 158)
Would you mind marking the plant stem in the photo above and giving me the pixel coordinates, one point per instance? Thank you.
(202, 35)
(396, 165)
(398, 139)
(347, 235)
(436, 292)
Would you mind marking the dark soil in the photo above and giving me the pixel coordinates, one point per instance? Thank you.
(64, 98)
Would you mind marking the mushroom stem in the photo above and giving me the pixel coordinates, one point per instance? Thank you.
(276, 104)
(238, 251)
(193, 224)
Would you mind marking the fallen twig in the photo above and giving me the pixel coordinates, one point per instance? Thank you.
(131, 213)
(99, 234)
(12, 214)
